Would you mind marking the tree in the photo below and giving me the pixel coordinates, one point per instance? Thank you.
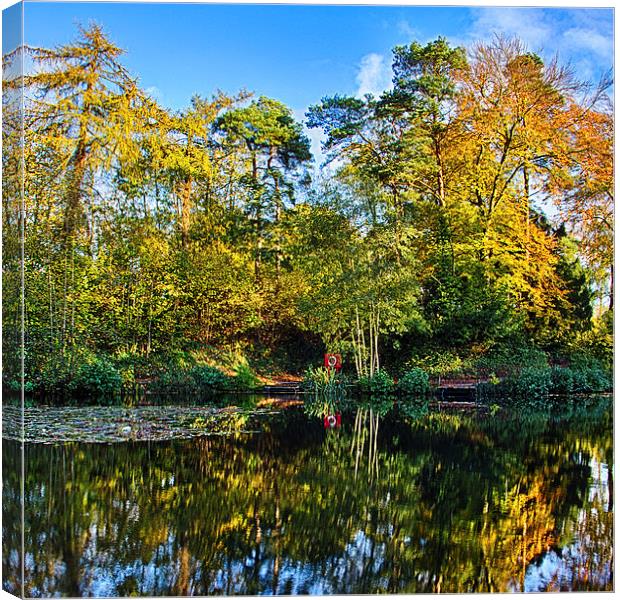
(275, 150)
(424, 94)
(87, 109)
(582, 184)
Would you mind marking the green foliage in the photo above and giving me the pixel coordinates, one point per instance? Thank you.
(591, 380)
(245, 378)
(442, 363)
(182, 376)
(562, 380)
(595, 346)
(209, 378)
(324, 381)
(420, 240)
(97, 377)
(414, 383)
(581, 379)
(380, 384)
(531, 386)
(509, 358)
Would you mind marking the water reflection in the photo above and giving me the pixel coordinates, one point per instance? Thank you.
(440, 503)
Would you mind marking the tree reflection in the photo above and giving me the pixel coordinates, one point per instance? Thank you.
(439, 503)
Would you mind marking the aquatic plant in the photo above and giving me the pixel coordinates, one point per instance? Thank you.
(324, 381)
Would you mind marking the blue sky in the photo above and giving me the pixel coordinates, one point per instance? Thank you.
(299, 54)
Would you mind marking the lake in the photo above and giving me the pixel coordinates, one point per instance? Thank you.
(277, 504)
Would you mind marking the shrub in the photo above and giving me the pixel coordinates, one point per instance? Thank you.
(509, 360)
(414, 383)
(379, 384)
(562, 380)
(208, 378)
(174, 379)
(591, 380)
(442, 363)
(580, 380)
(531, 386)
(245, 378)
(98, 377)
(54, 376)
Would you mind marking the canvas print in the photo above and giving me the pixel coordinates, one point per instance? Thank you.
(306, 299)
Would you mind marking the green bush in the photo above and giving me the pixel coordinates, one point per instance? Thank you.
(245, 378)
(442, 363)
(531, 386)
(54, 376)
(379, 384)
(562, 380)
(98, 377)
(174, 379)
(591, 380)
(196, 379)
(509, 360)
(208, 378)
(580, 380)
(414, 383)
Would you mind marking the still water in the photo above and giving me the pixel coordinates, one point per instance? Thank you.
(386, 503)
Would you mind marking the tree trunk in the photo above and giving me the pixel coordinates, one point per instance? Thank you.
(526, 189)
(441, 186)
(73, 195)
(185, 195)
(258, 226)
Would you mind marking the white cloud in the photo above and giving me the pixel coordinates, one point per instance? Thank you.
(589, 40)
(315, 135)
(528, 25)
(407, 30)
(582, 38)
(155, 93)
(374, 75)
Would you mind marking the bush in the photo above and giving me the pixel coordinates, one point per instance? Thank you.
(591, 380)
(98, 377)
(582, 380)
(414, 383)
(509, 360)
(442, 363)
(562, 380)
(197, 379)
(174, 379)
(379, 384)
(208, 378)
(245, 378)
(531, 386)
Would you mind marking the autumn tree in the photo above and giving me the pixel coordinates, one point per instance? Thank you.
(582, 183)
(83, 100)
